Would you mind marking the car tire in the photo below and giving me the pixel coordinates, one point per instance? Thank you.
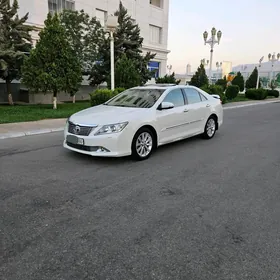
(143, 144)
(210, 128)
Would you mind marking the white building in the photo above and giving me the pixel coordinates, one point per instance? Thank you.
(150, 15)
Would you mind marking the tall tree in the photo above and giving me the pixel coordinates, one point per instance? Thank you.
(126, 74)
(85, 35)
(168, 79)
(200, 78)
(127, 41)
(238, 80)
(52, 65)
(15, 42)
(252, 80)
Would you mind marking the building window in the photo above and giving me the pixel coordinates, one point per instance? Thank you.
(155, 34)
(101, 16)
(57, 6)
(154, 66)
(157, 3)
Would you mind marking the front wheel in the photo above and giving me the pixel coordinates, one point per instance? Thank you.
(142, 144)
(210, 128)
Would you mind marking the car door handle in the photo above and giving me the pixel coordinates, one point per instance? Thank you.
(186, 111)
(208, 105)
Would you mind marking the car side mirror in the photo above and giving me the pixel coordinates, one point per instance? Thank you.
(165, 106)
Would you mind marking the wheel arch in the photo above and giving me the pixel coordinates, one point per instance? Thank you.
(153, 130)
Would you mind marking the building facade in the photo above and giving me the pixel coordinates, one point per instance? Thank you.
(150, 15)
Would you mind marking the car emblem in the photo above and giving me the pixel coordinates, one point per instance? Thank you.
(76, 129)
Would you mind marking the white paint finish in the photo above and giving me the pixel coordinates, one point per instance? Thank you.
(170, 125)
(141, 11)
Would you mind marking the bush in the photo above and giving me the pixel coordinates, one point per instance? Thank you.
(256, 94)
(232, 92)
(215, 89)
(100, 96)
(273, 92)
(118, 90)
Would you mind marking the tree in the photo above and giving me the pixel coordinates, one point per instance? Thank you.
(252, 80)
(127, 41)
(222, 83)
(168, 79)
(52, 65)
(15, 42)
(239, 81)
(126, 73)
(200, 78)
(85, 36)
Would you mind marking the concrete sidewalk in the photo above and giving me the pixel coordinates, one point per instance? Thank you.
(13, 130)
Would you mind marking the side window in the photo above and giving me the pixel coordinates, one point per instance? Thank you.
(193, 95)
(203, 98)
(176, 97)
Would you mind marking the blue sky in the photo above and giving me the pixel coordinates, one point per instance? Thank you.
(251, 29)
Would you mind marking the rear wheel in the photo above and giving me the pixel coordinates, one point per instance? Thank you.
(142, 144)
(210, 128)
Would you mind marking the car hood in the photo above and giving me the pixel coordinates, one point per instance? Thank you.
(104, 114)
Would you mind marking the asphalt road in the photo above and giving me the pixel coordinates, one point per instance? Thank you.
(195, 210)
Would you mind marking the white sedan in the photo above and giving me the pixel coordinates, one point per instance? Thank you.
(138, 120)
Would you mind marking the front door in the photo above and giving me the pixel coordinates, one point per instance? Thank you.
(171, 122)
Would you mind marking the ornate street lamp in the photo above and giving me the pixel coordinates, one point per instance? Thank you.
(169, 67)
(111, 26)
(260, 64)
(204, 62)
(212, 41)
(273, 58)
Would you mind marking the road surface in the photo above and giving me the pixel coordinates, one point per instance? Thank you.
(195, 210)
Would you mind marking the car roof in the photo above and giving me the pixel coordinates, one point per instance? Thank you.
(163, 86)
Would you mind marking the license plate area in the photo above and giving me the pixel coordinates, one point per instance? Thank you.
(74, 140)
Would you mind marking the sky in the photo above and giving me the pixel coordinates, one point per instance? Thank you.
(250, 30)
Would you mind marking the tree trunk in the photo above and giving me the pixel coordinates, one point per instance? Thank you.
(10, 97)
(74, 98)
(55, 100)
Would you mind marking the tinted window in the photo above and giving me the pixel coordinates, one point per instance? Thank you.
(139, 98)
(176, 97)
(193, 95)
(203, 97)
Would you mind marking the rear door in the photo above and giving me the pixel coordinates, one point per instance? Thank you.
(198, 110)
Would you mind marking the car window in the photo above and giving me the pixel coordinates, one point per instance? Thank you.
(176, 97)
(203, 97)
(193, 95)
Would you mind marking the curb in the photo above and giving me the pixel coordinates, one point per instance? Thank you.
(29, 133)
(45, 131)
(252, 104)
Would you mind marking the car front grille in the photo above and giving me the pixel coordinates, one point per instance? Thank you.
(79, 129)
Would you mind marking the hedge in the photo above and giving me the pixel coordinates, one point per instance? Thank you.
(273, 92)
(232, 92)
(256, 94)
(215, 89)
(101, 96)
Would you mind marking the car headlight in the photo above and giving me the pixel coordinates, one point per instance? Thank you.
(111, 128)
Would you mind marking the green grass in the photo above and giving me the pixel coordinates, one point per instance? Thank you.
(239, 98)
(24, 113)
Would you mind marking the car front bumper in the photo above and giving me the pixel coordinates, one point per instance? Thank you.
(111, 145)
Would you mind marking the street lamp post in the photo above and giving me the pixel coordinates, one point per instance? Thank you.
(169, 67)
(273, 58)
(218, 65)
(258, 79)
(111, 25)
(212, 41)
(204, 62)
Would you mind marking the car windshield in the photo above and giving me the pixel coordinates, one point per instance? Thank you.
(136, 97)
